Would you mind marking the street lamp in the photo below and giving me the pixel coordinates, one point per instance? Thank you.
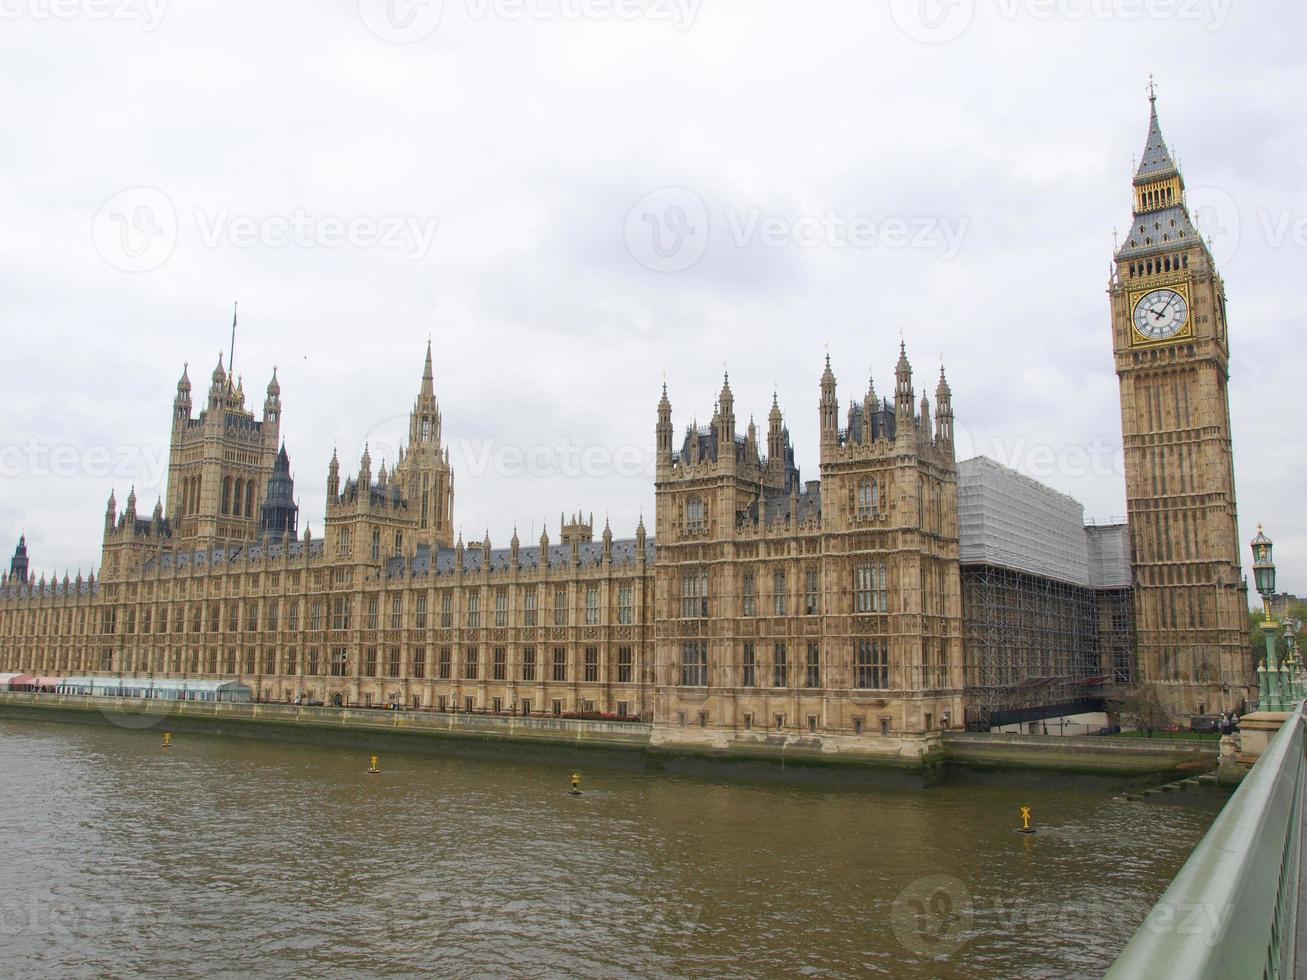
(1275, 680)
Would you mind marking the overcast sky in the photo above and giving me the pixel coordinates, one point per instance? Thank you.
(576, 199)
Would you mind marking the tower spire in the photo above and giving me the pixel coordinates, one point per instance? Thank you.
(231, 357)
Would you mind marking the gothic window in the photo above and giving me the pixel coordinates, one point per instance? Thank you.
(315, 616)
(624, 611)
(370, 662)
(694, 664)
(871, 665)
(226, 494)
(780, 667)
(393, 663)
(529, 610)
(560, 607)
(624, 665)
(750, 678)
(446, 610)
(470, 664)
(399, 543)
(376, 546)
(694, 594)
(560, 663)
(421, 613)
(340, 613)
(339, 662)
(864, 504)
(750, 594)
(249, 498)
(446, 663)
(592, 606)
(528, 663)
(500, 664)
(501, 607)
(397, 612)
(811, 592)
(812, 676)
(473, 611)
(373, 603)
(695, 514)
(419, 662)
(591, 665)
(778, 594)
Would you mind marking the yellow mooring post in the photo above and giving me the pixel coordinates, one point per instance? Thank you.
(576, 784)
(167, 740)
(373, 770)
(1025, 827)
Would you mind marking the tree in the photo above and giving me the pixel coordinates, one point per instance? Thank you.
(1142, 709)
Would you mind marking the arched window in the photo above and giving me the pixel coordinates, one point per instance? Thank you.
(226, 494)
(249, 498)
(875, 497)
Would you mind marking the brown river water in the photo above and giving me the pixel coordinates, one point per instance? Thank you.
(232, 857)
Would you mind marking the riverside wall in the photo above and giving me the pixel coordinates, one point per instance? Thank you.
(906, 760)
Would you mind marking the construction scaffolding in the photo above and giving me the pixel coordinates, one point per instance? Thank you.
(1039, 638)
(1112, 579)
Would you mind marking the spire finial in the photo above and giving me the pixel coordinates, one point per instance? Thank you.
(1152, 89)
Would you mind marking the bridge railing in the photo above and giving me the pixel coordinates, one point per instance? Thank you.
(1231, 911)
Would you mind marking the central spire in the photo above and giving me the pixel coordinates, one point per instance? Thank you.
(428, 378)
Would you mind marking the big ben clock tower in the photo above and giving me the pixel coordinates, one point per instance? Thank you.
(1172, 348)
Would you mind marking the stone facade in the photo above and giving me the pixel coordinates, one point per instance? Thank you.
(852, 621)
(1172, 347)
(832, 607)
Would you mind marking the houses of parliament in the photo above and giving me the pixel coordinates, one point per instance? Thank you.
(831, 608)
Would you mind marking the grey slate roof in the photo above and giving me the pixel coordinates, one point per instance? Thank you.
(1159, 231)
(1156, 161)
(529, 557)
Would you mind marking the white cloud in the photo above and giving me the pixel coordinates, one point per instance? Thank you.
(524, 142)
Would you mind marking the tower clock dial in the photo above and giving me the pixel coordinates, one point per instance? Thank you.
(1161, 314)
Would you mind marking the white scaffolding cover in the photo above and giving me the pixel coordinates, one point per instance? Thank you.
(1012, 521)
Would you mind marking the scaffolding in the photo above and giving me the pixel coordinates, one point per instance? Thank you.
(1047, 609)
(1031, 642)
(1010, 520)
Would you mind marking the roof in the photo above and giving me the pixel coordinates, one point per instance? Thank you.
(501, 559)
(1156, 161)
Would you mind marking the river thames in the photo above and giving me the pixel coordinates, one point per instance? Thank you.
(231, 857)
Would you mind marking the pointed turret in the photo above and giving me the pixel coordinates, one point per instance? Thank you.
(663, 431)
(18, 565)
(272, 403)
(641, 542)
(903, 392)
(829, 407)
(182, 403)
(514, 547)
(1161, 220)
(428, 377)
(333, 477)
(1156, 161)
(943, 411)
(775, 431)
(608, 542)
(365, 473)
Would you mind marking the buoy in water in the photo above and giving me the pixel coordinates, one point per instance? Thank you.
(1025, 827)
(576, 784)
(167, 740)
(372, 769)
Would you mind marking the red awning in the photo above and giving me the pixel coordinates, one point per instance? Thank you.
(22, 680)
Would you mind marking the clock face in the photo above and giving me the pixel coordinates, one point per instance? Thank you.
(1161, 314)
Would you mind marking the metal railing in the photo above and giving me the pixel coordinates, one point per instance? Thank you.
(1232, 910)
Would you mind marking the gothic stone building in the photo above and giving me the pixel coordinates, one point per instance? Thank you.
(1172, 348)
(767, 606)
(829, 609)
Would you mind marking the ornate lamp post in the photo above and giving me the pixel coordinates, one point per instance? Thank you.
(1275, 680)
